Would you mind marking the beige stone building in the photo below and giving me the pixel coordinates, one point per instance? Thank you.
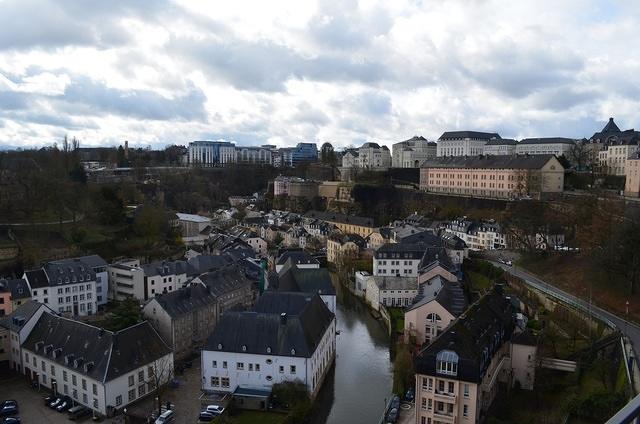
(344, 245)
(613, 147)
(501, 177)
(440, 302)
(632, 173)
(348, 224)
(459, 373)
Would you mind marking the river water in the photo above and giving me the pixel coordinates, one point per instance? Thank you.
(356, 390)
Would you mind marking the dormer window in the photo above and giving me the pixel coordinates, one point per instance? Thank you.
(219, 346)
(447, 362)
(293, 351)
(268, 349)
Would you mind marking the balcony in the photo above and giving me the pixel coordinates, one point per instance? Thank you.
(444, 416)
(445, 396)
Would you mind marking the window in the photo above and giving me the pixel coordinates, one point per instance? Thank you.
(466, 390)
(224, 364)
(240, 365)
(74, 380)
(132, 394)
(141, 375)
(53, 370)
(95, 389)
(269, 378)
(224, 382)
(258, 367)
(43, 366)
(75, 394)
(131, 380)
(66, 389)
(292, 369)
(84, 398)
(465, 410)
(424, 403)
(95, 403)
(44, 379)
(281, 369)
(430, 405)
(447, 362)
(118, 400)
(141, 390)
(250, 367)
(214, 364)
(215, 381)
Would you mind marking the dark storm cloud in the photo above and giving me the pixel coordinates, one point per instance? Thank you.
(84, 96)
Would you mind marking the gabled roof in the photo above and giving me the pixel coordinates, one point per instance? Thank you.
(370, 144)
(298, 256)
(502, 142)
(312, 280)
(341, 218)
(475, 337)
(165, 268)
(225, 280)
(283, 324)
(611, 127)
(37, 278)
(24, 311)
(453, 135)
(185, 300)
(17, 286)
(395, 282)
(490, 162)
(412, 251)
(111, 354)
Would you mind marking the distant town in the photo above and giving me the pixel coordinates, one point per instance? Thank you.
(470, 279)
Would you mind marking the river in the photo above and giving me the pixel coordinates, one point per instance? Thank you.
(356, 389)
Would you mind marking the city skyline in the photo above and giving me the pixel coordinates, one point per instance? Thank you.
(159, 73)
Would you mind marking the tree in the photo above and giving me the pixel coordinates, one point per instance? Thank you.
(126, 314)
(402, 369)
(580, 155)
(161, 375)
(151, 223)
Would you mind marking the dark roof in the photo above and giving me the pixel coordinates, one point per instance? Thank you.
(475, 337)
(610, 127)
(452, 135)
(426, 237)
(370, 144)
(24, 311)
(94, 261)
(436, 256)
(502, 142)
(165, 268)
(490, 162)
(185, 300)
(548, 140)
(17, 286)
(314, 280)
(297, 333)
(37, 278)
(298, 256)
(205, 263)
(349, 238)
(112, 353)
(341, 218)
(415, 138)
(525, 338)
(612, 135)
(452, 297)
(225, 280)
(407, 250)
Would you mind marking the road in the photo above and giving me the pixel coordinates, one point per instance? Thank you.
(629, 329)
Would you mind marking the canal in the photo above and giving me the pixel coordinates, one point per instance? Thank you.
(356, 389)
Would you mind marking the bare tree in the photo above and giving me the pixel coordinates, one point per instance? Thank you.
(580, 155)
(160, 375)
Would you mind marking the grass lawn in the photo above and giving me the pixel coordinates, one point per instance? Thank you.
(397, 318)
(255, 417)
(478, 281)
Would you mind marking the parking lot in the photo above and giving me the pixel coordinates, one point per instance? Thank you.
(32, 408)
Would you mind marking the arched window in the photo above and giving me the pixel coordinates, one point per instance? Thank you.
(447, 362)
(433, 318)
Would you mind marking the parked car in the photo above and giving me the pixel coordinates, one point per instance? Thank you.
(56, 401)
(206, 417)
(11, 420)
(9, 409)
(392, 416)
(65, 405)
(410, 395)
(214, 409)
(166, 417)
(48, 400)
(395, 402)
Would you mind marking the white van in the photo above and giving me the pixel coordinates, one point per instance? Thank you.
(166, 417)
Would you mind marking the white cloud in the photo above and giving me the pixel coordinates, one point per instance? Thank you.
(160, 72)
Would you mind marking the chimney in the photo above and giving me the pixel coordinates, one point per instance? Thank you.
(283, 318)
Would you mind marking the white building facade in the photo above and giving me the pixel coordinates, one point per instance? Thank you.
(463, 143)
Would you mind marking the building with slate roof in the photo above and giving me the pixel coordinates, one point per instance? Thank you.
(287, 337)
(300, 258)
(559, 146)
(463, 143)
(614, 147)
(393, 291)
(458, 373)
(15, 328)
(129, 278)
(439, 302)
(499, 177)
(292, 278)
(230, 286)
(348, 224)
(100, 369)
(478, 235)
(20, 292)
(369, 156)
(69, 286)
(341, 246)
(398, 259)
(184, 318)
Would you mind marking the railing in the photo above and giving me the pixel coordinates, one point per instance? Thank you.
(628, 414)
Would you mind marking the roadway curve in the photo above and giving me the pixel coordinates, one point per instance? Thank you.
(629, 329)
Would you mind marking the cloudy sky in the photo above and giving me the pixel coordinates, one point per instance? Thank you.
(157, 72)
